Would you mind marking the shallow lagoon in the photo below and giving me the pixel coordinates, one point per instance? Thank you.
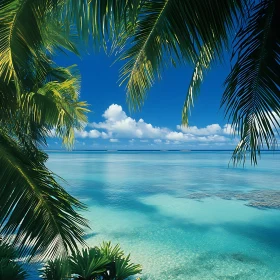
(181, 215)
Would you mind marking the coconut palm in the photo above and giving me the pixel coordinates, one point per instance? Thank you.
(170, 32)
(36, 98)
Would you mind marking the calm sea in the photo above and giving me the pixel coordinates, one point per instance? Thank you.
(182, 215)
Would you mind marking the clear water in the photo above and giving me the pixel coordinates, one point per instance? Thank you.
(141, 200)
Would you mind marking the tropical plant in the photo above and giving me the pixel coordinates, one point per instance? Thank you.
(88, 263)
(170, 32)
(99, 263)
(36, 98)
(9, 267)
(123, 266)
(57, 269)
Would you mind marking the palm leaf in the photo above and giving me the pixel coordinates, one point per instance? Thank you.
(88, 263)
(202, 65)
(21, 38)
(56, 106)
(174, 31)
(36, 213)
(57, 269)
(251, 98)
(124, 268)
(101, 19)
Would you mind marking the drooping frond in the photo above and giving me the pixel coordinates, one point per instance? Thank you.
(101, 19)
(56, 105)
(201, 66)
(8, 101)
(36, 213)
(251, 98)
(170, 31)
(21, 38)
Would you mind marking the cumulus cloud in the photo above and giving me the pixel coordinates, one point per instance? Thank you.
(117, 125)
(209, 129)
(91, 134)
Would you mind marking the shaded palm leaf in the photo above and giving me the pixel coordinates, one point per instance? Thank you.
(21, 38)
(88, 263)
(58, 269)
(124, 268)
(170, 31)
(36, 213)
(9, 267)
(251, 98)
(101, 19)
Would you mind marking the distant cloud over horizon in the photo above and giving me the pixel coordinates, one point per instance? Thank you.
(117, 125)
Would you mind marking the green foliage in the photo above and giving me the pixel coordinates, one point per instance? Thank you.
(169, 32)
(57, 269)
(36, 98)
(88, 263)
(92, 264)
(9, 268)
(124, 267)
(251, 98)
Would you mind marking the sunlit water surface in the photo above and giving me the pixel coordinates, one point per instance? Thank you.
(141, 200)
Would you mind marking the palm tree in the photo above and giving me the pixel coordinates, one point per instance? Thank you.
(170, 32)
(37, 96)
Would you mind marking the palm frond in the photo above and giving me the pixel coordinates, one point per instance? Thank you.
(88, 263)
(251, 98)
(56, 106)
(36, 213)
(202, 65)
(57, 269)
(101, 19)
(21, 38)
(172, 31)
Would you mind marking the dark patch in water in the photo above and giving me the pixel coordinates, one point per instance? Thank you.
(262, 199)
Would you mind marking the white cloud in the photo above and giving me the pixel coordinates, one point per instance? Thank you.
(208, 130)
(91, 134)
(117, 125)
(114, 113)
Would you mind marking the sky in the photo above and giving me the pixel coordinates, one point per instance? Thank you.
(158, 124)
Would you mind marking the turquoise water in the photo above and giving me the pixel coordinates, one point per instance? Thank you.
(180, 215)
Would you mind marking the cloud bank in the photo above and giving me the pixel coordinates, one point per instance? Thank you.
(117, 125)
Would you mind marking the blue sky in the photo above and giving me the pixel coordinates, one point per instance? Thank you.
(158, 124)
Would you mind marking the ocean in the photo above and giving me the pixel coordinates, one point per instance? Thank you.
(181, 215)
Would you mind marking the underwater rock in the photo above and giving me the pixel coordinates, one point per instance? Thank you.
(260, 199)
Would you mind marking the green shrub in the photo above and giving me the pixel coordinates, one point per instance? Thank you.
(99, 263)
(9, 267)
